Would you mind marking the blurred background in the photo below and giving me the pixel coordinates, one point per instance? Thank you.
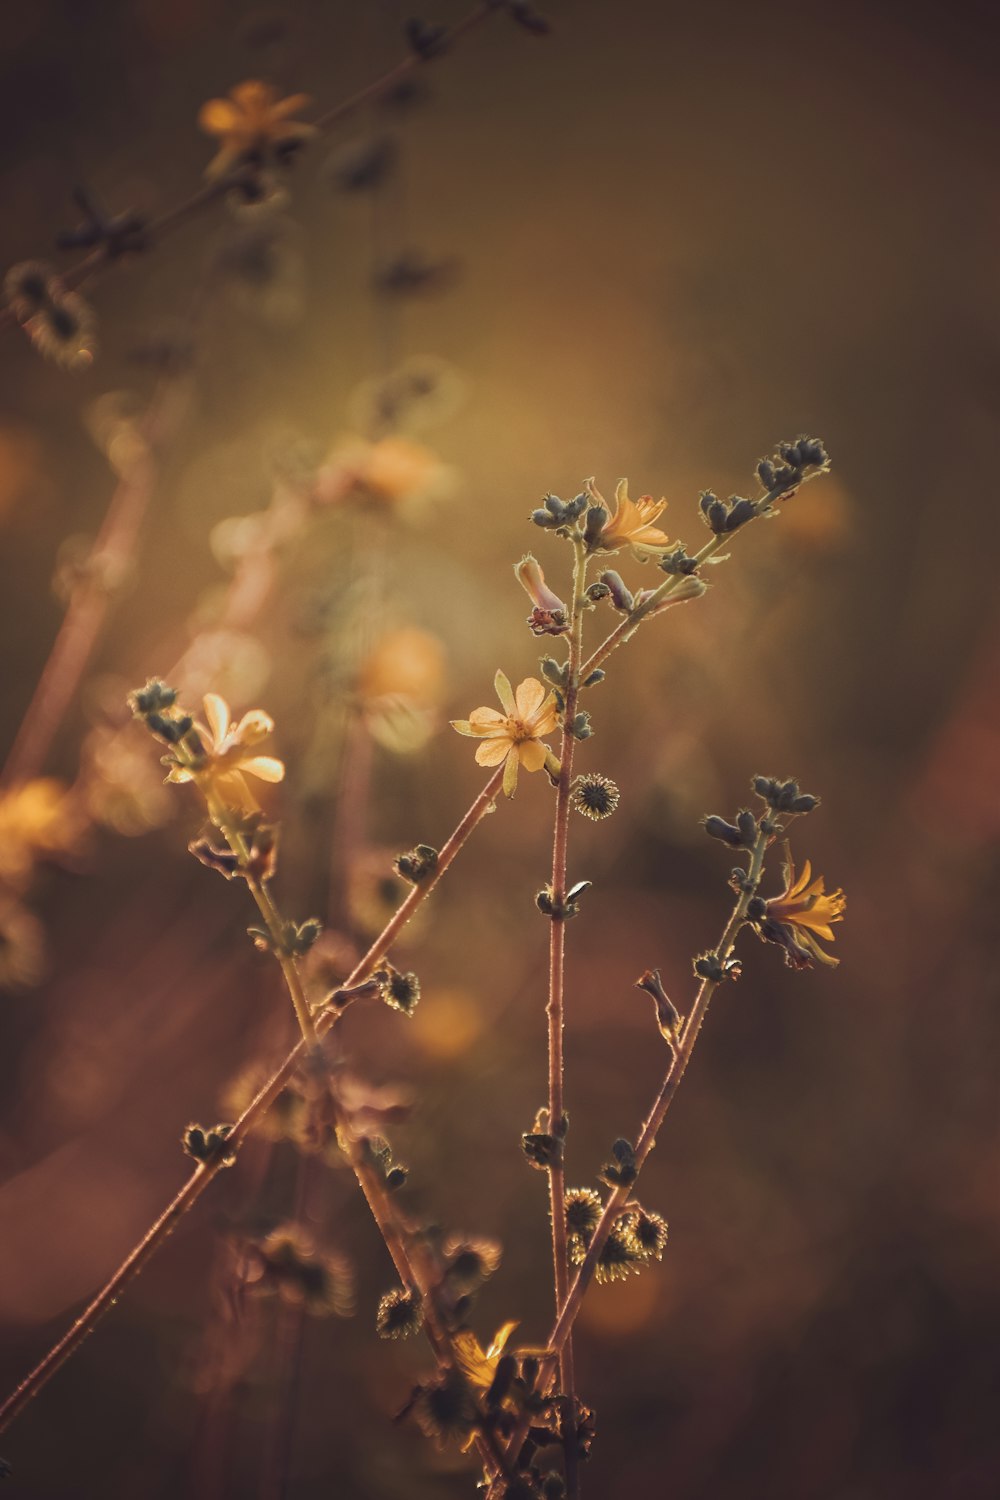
(653, 243)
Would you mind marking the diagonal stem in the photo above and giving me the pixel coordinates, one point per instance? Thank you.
(204, 1172)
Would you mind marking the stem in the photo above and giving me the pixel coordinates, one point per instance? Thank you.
(205, 1172)
(556, 1014)
(626, 628)
(671, 1083)
(97, 260)
(563, 1327)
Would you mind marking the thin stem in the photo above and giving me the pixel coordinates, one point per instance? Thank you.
(556, 1012)
(626, 628)
(681, 1056)
(97, 260)
(205, 1172)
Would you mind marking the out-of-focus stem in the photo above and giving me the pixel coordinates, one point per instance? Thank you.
(206, 1171)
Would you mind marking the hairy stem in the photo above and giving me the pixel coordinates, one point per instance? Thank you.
(205, 1172)
(568, 1311)
(556, 1013)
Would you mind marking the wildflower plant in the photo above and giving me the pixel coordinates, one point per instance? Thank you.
(505, 1400)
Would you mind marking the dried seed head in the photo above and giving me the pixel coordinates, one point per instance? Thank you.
(400, 1313)
(595, 796)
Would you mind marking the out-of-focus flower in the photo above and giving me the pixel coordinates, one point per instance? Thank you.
(22, 946)
(631, 525)
(252, 122)
(228, 755)
(39, 819)
(120, 784)
(514, 736)
(799, 916)
(400, 686)
(549, 614)
(234, 662)
(288, 1264)
(374, 891)
(394, 472)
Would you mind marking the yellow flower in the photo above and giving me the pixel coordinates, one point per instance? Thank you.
(800, 916)
(515, 735)
(632, 522)
(252, 119)
(38, 819)
(228, 755)
(478, 1365)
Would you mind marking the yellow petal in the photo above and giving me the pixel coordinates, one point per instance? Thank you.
(492, 752)
(529, 697)
(264, 767)
(502, 684)
(217, 715)
(462, 726)
(253, 727)
(510, 775)
(482, 719)
(499, 1343)
(532, 754)
(219, 117)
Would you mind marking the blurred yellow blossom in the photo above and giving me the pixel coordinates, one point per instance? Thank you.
(229, 755)
(477, 1364)
(22, 947)
(38, 819)
(400, 685)
(800, 915)
(251, 120)
(393, 471)
(632, 522)
(515, 735)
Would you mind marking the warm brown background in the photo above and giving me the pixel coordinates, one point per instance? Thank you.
(686, 233)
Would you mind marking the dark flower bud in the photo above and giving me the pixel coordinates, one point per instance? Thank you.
(667, 1015)
(717, 516)
(155, 695)
(580, 728)
(598, 591)
(804, 803)
(299, 937)
(416, 865)
(554, 506)
(756, 909)
(718, 828)
(597, 519)
(165, 729)
(541, 1148)
(709, 967)
(623, 1169)
(765, 473)
(424, 39)
(209, 1146)
(747, 825)
(543, 518)
(596, 676)
(395, 1177)
(741, 511)
(677, 562)
(576, 507)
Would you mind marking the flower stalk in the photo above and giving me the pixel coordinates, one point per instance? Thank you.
(205, 1172)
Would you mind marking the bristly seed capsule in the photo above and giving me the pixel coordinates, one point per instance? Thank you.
(594, 796)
